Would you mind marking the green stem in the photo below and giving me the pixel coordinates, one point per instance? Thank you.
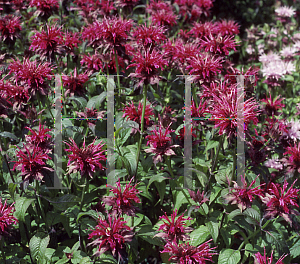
(37, 186)
(142, 129)
(85, 187)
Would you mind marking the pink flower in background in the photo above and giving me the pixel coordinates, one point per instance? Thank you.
(126, 3)
(198, 197)
(227, 27)
(32, 162)
(243, 196)
(263, 259)
(174, 229)
(92, 62)
(285, 11)
(156, 6)
(201, 30)
(164, 18)
(10, 28)
(86, 159)
(293, 130)
(111, 236)
(288, 53)
(149, 36)
(92, 113)
(6, 217)
(185, 253)
(71, 40)
(74, 84)
(160, 143)
(45, 7)
(274, 163)
(123, 200)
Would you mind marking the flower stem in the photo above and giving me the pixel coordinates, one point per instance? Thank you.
(37, 186)
(142, 129)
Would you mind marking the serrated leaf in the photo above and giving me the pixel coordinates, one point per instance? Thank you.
(12, 188)
(80, 100)
(156, 178)
(38, 244)
(253, 217)
(21, 206)
(229, 256)
(199, 235)
(92, 213)
(161, 187)
(180, 199)
(211, 144)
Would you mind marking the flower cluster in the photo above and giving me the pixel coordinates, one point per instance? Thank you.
(6, 217)
(10, 28)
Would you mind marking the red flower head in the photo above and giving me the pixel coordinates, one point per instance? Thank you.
(184, 253)
(74, 84)
(32, 75)
(218, 45)
(243, 196)
(126, 3)
(198, 197)
(93, 114)
(280, 203)
(45, 7)
(147, 65)
(10, 28)
(149, 36)
(225, 107)
(205, 67)
(273, 105)
(257, 151)
(46, 42)
(111, 31)
(106, 7)
(18, 5)
(265, 260)
(227, 27)
(122, 201)
(164, 18)
(111, 236)
(174, 229)
(293, 162)
(92, 62)
(160, 144)
(41, 139)
(201, 30)
(71, 40)
(6, 217)
(181, 136)
(31, 163)
(86, 159)
(130, 112)
(156, 6)
(198, 112)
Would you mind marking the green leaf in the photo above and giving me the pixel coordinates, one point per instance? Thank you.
(199, 235)
(130, 155)
(157, 178)
(180, 199)
(12, 188)
(252, 216)
(82, 102)
(37, 245)
(289, 78)
(161, 187)
(95, 101)
(6, 134)
(211, 144)
(92, 213)
(229, 256)
(215, 193)
(213, 227)
(22, 204)
(295, 250)
(123, 135)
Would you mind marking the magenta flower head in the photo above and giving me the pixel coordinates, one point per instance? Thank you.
(273, 105)
(111, 236)
(47, 41)
(32, 163)
(93, 114)
(164, 18)
(134, 113)
(74, 84)
(40, 138)
(198, 197)
(149, 36)
(185, 253)
(218, 45)
(201, 30)
(279, 201)
(10, 28)
(227, 27)
(6, 218)
(86, 159)
(174, 229)
(45, 7)
(147, 65)
(259, 259)
(293, 161)
(160, 144)
(71, 40)
(205, 67)
(243, 196)
(123, 200)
